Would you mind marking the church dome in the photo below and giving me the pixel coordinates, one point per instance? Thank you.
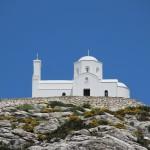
(85, 58)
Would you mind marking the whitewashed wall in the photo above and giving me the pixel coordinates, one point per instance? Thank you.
(81, 83)
(123, 92)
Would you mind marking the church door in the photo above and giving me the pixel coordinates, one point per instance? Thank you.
(86, 92)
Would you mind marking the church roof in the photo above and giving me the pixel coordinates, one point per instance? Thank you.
(91, 58)
(121, 84)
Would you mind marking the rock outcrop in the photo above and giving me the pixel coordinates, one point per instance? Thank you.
(52, 124)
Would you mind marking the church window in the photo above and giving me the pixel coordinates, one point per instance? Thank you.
(106, 93)
(63, 94)
(86, 79)
(87, 69)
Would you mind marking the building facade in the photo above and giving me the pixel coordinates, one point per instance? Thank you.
(88, 81)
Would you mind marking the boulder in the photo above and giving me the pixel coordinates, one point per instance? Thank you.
(145, 127)
(41, 115)
(47, 127)
(21, 114)
(9, 109)
(5, 123)
(60, 114)
(25, 135)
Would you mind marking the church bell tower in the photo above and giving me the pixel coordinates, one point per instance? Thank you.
(36, 75)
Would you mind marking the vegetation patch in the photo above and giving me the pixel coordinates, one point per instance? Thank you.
(120, 126)
(95, 123)
(141, 112)
(25, 107)
(30, 123)
(93, 112)
(73, 123)
(42, 137)
(47, 110)
(8, 117)
(86, 105)
(58, 103)
(140, 138)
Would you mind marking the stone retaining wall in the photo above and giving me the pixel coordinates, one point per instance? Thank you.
(112, 103)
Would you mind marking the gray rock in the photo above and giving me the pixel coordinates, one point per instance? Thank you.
(36, 148)
(40, 106)
(9, 109)
(60, 114)
(40, 115)
(7, 135)
(83, 142)
(47, 127)
(21, 114)
(14, 144)
(25, 135)
(106, 117)
(62, 108)
(5, 123)
(145, 127)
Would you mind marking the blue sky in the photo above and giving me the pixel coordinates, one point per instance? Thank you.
(117, 31)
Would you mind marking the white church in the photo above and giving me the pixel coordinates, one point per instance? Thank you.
(88, 81)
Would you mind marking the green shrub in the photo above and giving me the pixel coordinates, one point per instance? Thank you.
(142, 112)
(104, 122)
(28, 128)
(13, 125)
(143, 116)
(47, 110)
(93, 123)
(7, 117)
(73, 123)
(30, 123)
(25, 107)
(144, 108)
(128, 110)
(58, 103)
(42, 137)
(120, 126)
(132, 124)
(86, 105)
(93, 112)
(140, 138)
(76, 108)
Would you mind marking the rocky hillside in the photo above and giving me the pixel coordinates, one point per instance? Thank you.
(52, 124)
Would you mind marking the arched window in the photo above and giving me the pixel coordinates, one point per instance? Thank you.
(106, 93)
(86, 79)
(63, 94)
(87, 68)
